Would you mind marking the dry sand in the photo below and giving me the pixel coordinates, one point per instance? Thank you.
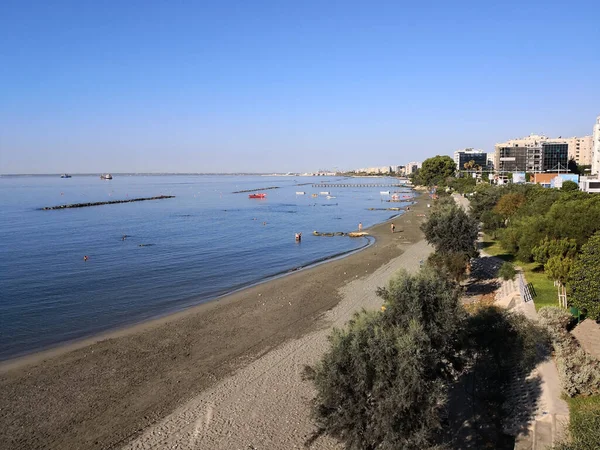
(221, 375)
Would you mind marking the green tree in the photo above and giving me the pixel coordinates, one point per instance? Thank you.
(507, 271)
(450, 230)
(584, 279)
(569, 186)
(509, 204)
(385, 377)
(434, 171)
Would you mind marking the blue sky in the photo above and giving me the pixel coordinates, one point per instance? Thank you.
(195, 86)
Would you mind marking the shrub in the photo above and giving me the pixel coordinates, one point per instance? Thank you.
(385, 377)
(578, 370)
(376, 386)
(584, 279)
(507, 271)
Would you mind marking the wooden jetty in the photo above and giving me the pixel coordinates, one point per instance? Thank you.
(111, 202)
(353, 185)
(255, 190)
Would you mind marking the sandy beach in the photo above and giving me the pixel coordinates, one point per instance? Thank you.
(225, 374)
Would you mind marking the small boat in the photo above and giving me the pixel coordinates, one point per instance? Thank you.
(65, 175)
(385, 192)
(300, 193)
(106, 176)
(330, 196)
(257, 195)
(395, 197)
(325, 193)
(315, 195)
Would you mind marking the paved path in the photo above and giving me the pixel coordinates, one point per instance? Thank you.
(539, 390)
(551, 416)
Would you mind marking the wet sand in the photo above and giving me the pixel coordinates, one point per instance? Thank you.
(107, 392)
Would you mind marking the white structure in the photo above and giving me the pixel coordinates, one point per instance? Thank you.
(589, 184)
(596, 147)
(412, 167)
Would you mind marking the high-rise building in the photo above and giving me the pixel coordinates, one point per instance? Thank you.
(596, 147)
(461, 157)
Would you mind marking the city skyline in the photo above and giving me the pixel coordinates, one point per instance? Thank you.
(150, 88)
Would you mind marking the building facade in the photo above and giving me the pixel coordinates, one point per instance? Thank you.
(579, 148)
(412, 167)
(596, 147)
(462, 157)
(555, 157)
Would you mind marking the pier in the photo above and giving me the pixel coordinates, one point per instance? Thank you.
(345, 185)
(255, 190)
(111, 202)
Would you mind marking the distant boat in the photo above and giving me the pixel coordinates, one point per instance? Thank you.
(300, 193)
(106, 176)
(385, 192)
(330, 197)
(257, 195)
(315, 195)
(325, 193)
(65, 175)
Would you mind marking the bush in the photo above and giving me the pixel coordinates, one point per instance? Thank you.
(376, 386)
(507, 271)
(578, 370)
(385, 377)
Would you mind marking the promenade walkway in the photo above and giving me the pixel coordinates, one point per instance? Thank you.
(538, 391)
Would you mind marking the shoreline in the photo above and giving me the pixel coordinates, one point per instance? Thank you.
(105, 391)
(53, 350)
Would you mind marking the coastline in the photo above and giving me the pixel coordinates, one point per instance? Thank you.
(104, 391)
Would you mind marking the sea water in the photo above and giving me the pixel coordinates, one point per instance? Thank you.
(177, 252)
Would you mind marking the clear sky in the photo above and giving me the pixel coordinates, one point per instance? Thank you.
(198, 86)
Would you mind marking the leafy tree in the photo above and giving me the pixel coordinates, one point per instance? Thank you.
(484, 199)
(509, 204)
(491, 222)
(569, 186)
(450, 230)
(434, 171)
(584, 278)
(383, 382)
(549, 248)
(507, 271)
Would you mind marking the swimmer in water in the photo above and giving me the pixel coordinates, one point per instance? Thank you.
(85, 258)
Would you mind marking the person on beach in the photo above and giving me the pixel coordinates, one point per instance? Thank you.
(393, 227)
(359, 226)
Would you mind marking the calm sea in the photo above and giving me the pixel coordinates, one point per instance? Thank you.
(178, 252)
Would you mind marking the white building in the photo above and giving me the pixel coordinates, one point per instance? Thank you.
(412, 167)
(589, 184)
(596, 147)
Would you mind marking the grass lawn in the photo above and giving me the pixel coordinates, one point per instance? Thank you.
(584, 424)
(546, 293)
